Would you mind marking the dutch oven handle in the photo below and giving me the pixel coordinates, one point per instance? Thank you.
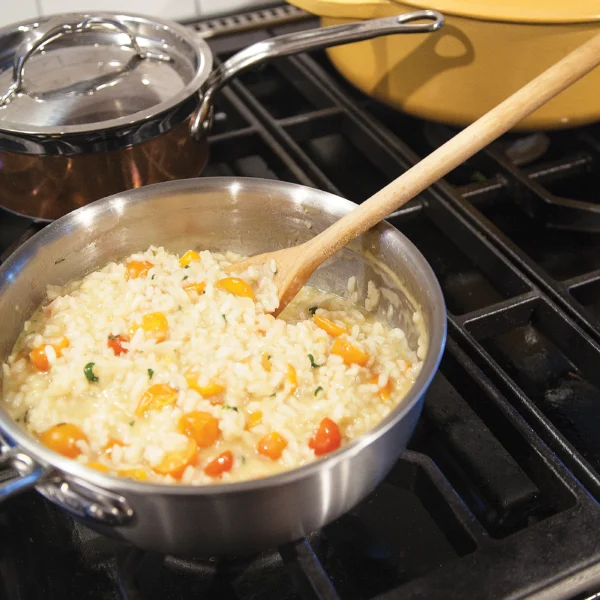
(80, 498)
(294, 43)
(63, 25)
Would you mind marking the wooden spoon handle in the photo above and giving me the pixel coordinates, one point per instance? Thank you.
(454, 152)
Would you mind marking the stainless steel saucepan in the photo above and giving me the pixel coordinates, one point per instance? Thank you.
(249, 216)
(94, 104)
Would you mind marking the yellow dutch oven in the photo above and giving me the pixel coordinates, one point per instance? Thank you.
(486, 50)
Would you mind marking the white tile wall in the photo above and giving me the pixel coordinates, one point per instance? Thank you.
(13, 11)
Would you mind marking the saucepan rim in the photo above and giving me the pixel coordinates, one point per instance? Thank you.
(77, 219)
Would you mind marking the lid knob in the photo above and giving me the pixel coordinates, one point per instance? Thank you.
(68, 24)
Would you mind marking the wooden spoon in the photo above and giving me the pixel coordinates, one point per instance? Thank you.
(295, 265)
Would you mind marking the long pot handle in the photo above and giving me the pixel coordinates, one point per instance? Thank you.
(67, 25)
(294, 43)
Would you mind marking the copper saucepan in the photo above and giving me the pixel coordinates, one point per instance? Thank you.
(94, 104)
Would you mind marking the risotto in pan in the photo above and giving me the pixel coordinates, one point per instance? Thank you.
(164, 368)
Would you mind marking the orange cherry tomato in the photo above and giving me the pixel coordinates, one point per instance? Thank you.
(174, 463)
(292, 378)
(38, 355)
(137, 268)
(115, 344)
(219, 465)
(156, 397)
(384, 392)
(254, 419)
(201, 426)
(206, 391)
(110, 445)
(236, 286)
(136, 473)
(350, 353)
(39, 359)
(155, 325)
(188, 257)
(326, 439)
(98, 466)
(63, 438)
(329, 326)
(195, 287)
(265, 361)
(272, 445)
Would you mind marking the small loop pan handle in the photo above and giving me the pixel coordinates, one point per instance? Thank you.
(57, 27)
(294, 43)
(29, 473)
(80, 498)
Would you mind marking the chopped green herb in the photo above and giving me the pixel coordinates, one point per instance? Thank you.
(113, 337)
(150, 373)
(89, 372)
(153, 276)
(243, 459)
(273, 395)
(227, 407)
(57, 262)
(313, 364)
(185, 278)
(313, 309)
(179, 307)
(224, 318)
(319, 389)
(131, 423)
(186, 267)
(268, 357)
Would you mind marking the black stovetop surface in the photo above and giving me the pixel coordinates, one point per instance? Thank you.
(498, 495)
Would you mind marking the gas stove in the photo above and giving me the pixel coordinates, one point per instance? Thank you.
(497, 496)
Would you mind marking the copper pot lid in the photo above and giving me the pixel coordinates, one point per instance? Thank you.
(83, 73)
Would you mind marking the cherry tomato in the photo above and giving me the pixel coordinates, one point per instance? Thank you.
(385, 391)
(326, 439)
(137, 268)
(63, 438)
(98, 466)
(254, 419)
(272, 445)
(329, 326)
(219, 465)
(174, 463)
(235, 286)
(188, 257)
(350, 353)
(195, 287)
(38, 355)
(156, 397)
(201, 426)
(135, 473)
(115, 343)
(292, 378)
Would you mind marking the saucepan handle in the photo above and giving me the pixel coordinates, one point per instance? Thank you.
(63, 25)
(313, 39)
(28, 472)
(78, 497)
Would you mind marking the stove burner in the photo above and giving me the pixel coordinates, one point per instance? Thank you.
(498, 495)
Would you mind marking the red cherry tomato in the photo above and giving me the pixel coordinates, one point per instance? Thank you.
(326, 438)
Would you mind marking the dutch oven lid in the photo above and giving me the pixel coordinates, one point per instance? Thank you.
(82, 73)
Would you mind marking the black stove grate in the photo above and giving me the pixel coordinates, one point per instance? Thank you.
(498, 495)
